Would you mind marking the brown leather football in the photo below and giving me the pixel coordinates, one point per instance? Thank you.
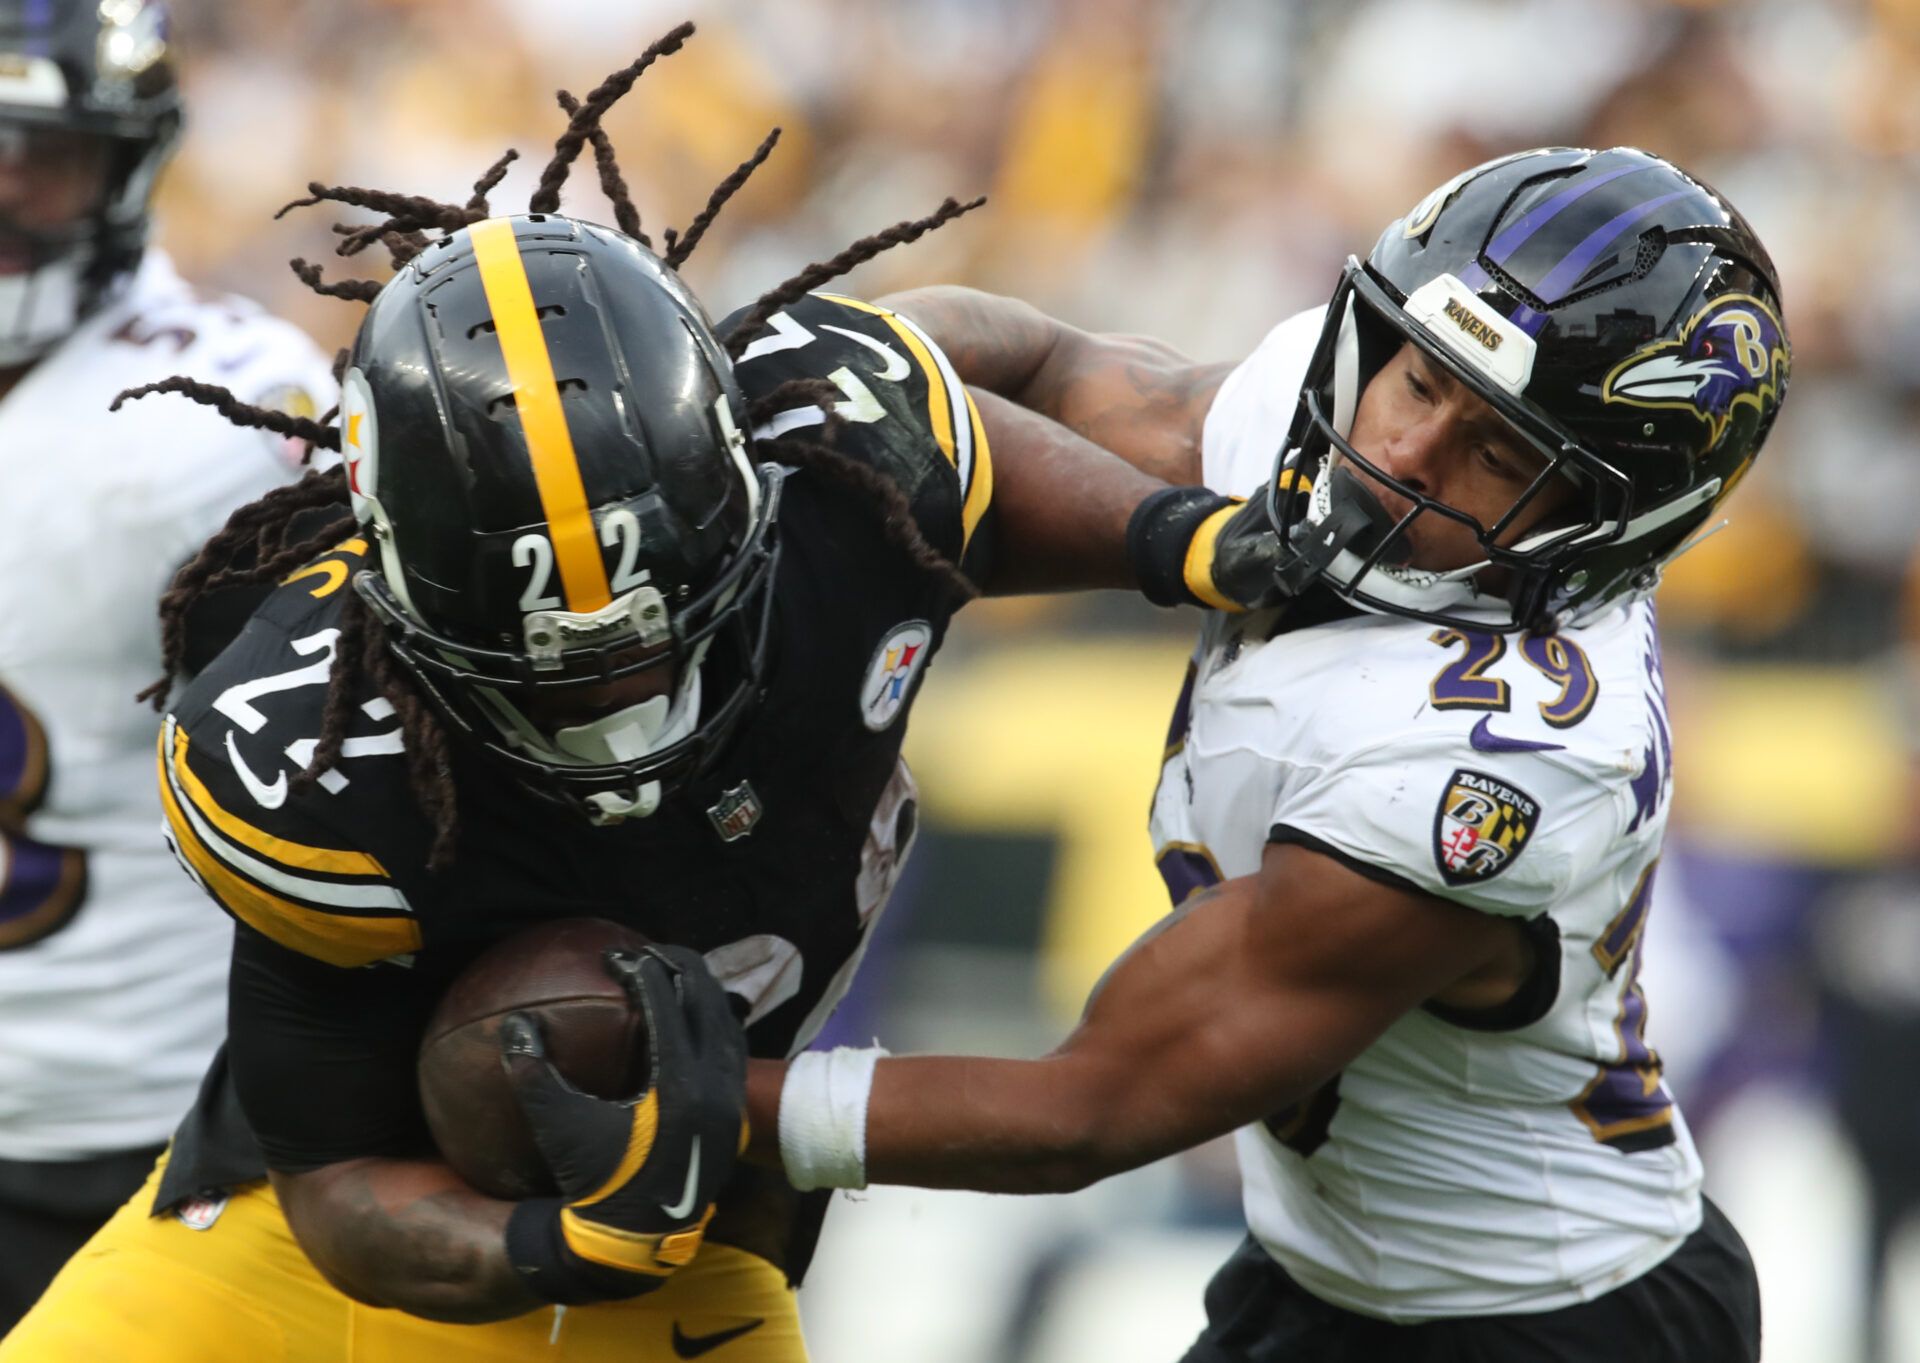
(594, 1036)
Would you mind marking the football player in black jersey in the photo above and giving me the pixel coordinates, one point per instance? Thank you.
(606, 612)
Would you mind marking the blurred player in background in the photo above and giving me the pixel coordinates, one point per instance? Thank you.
(611, 613)
(1411, 820)
(111, 973)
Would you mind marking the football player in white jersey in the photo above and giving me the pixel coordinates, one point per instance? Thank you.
(1413, 800)
(111, 972)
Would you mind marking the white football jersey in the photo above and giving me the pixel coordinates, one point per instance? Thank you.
(112, 971)
(1516, 1161)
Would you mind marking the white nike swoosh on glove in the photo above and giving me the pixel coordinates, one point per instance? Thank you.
(685, 1204)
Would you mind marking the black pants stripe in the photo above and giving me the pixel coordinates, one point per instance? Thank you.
(1702, 1305)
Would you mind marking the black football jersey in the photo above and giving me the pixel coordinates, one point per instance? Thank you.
(774, 865)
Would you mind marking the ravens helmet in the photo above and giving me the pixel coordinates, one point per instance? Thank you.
(99, 70)
(1619, 315)
(546, 446)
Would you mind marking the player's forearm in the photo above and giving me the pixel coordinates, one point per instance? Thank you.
(999, 1126)
(1132, 395)
(407, 1234)
(996, 343)
(1062, 505)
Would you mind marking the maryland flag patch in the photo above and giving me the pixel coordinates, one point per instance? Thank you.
(1482, 824)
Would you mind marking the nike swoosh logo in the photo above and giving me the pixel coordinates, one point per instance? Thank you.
(897, 367)
(270, 795)
(1484, 739)
(685, 1204)
(692, 1346)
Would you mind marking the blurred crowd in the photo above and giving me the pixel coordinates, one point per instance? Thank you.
(1198, 169)
(1191, 168)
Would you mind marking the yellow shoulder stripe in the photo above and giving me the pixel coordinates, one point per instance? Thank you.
(980, 494)
(337, 939)
(939, 409)
(296, 855)
(941, 418)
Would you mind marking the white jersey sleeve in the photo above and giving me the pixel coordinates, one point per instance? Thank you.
(1506, 833)
(1248, 420)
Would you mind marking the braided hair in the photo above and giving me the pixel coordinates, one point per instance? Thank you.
(264, 540)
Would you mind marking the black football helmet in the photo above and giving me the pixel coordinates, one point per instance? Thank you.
(99, 68)
(1620, 316)
(547, 447)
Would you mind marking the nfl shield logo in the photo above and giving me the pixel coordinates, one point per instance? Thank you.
(1480, 827)
(735, 813)
(199, 1213)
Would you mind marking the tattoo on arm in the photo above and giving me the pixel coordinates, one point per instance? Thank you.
(407, 1234)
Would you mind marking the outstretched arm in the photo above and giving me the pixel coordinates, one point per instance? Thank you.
(1247, 1000)
(1133, 395)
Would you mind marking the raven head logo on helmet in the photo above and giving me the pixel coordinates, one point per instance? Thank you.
(1614, 318)
(574, 551)
(89, 113)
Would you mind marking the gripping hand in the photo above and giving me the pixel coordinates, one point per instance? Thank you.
(637, 1176)
(1190, 546)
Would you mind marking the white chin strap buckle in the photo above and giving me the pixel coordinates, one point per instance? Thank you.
(607, 806)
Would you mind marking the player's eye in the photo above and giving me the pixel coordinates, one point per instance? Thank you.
(1419, 387)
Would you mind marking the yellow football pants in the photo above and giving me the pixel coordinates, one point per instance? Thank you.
(155, 1290)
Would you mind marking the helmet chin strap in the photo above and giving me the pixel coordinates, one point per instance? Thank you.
(626, 735)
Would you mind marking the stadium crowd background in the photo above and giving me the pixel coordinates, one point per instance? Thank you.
(1198, 169)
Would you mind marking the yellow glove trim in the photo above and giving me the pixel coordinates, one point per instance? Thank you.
(1198, 569)
(646, 1125)
(655, 1253)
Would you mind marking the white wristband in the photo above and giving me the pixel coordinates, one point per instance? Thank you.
(823, 1117)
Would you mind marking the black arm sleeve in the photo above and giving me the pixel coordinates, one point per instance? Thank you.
(323, 1057)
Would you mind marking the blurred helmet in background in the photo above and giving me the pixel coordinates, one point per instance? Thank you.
(89, 113)
(1618, 314)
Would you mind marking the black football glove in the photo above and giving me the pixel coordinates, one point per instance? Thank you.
(1193, 547)
(637, 1176)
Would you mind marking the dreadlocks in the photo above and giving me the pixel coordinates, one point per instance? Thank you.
(264, 540)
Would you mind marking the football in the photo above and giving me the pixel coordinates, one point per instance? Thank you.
(594, 1036)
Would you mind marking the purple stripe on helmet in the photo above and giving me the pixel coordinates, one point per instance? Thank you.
(1538, 217)
(1561, 279)
(39, 23)
(1529, 321)
(1474, 277)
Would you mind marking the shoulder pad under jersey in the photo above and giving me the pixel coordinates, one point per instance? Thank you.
(322, 871)
(905, 410)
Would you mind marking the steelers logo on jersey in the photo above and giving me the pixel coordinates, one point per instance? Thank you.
(890, 675)
(1482, 824)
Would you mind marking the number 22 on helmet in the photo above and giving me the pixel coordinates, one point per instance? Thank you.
(546, 445)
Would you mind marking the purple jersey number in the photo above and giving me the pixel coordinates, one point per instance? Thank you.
(1626, 1105)
(1464, 683)
(40, 886)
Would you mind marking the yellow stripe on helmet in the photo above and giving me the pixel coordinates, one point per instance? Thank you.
(556, 468)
